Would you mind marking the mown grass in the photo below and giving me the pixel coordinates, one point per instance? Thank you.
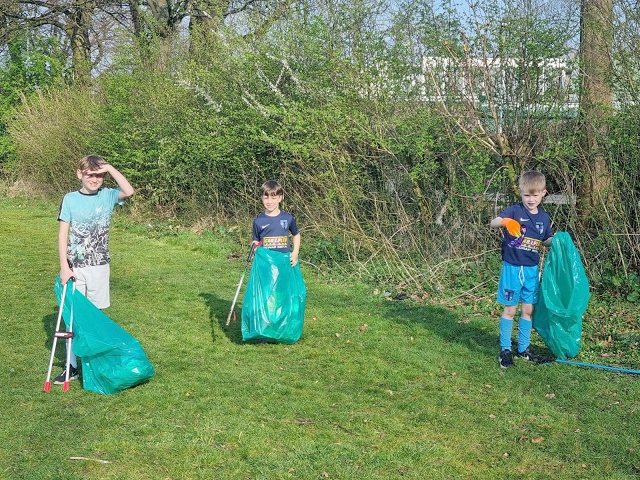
(374, 389)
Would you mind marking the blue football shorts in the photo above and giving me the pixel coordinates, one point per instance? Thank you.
(518, 284)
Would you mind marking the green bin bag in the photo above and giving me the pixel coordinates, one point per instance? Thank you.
(274, 300)
(112, 360)
(563, 298)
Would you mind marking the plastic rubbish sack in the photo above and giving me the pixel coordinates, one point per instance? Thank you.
(274, 300)
(563, 299)
(112, 360)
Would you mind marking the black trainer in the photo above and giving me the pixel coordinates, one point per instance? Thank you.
(73, 375)
(529, 355)
(505, 360)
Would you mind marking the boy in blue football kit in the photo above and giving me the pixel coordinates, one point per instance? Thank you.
(272, 227)
(527, 227)
(83, 237)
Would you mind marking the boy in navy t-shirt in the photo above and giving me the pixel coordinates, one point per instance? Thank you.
(273, 226)
(527, 227)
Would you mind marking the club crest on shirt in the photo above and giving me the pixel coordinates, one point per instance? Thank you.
(284, 224)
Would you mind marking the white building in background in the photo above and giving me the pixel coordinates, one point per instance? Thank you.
(499, 81)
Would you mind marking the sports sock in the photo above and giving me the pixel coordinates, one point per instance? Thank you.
(524, 334)
(506, 325)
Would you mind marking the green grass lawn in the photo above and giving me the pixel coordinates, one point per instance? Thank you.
(375, 389)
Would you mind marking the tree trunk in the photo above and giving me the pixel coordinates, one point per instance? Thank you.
(596, 106)
(206, 17)
(165, 17)
(80, 17)
(136, 19)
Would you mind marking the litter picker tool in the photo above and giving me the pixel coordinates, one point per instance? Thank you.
(235, 298)
(68, 336)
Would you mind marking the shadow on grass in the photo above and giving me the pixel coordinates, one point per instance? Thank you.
(49, 327)
(218, 312)
(454, 328)
(449, 326)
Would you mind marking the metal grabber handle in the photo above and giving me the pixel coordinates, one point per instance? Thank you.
(235, 298)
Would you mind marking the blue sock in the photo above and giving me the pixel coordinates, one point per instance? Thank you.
(524, 334)
(506, 326)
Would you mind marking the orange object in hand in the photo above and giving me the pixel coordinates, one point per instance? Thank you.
(512, 226)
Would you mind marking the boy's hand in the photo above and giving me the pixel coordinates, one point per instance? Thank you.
(294, 259)
(103, 168)
(66, 275)
(512, 226)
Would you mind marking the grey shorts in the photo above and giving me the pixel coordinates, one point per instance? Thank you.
(93, 283)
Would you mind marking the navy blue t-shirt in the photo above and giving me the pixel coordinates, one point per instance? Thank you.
(536, 228)
(273, 232)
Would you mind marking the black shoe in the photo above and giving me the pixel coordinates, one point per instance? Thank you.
(60, 379)
(505, 360)
(533, 357)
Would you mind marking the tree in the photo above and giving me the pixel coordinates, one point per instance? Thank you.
(82, 25)
(72, 22)
(162, 17)
(596, 106)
